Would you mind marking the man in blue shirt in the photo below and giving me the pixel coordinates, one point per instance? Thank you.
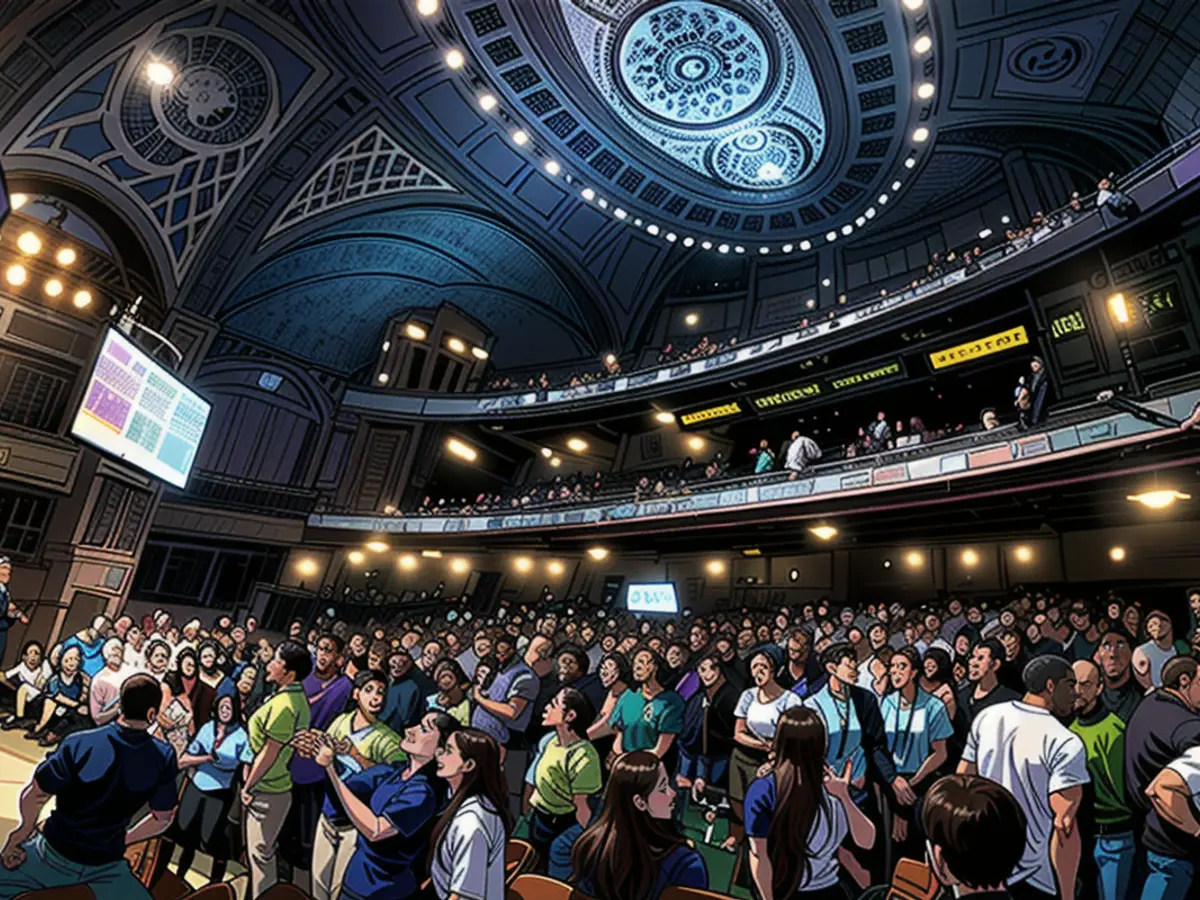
(90, 642)
(99, 780)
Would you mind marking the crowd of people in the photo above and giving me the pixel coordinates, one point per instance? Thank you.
(399, 758)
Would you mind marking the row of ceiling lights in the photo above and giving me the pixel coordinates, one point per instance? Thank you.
(29, 244)
(415, 331)
(456, 60)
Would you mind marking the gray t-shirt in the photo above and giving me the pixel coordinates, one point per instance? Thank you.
(469, 861)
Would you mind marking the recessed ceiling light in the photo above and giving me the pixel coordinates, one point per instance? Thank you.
(356, 557)
(764, 250)
(921, 135)
(577, 445)
(695, 443)
(160, 73)
(825, 282)
(66, 256)
(547, 452)
(602, 203)
(1158, 499)
(520, 137)
(831, 236)
(455, 59)
(427, 7)
(824, 532)
(739, 249)
(377, 546)
(664, 417)
(29, 243)
(910, 163)
(883, 198)
(925, 90)
(610, 359)
(383, 378)
(620, 214)
(552, 167)
(986, 233)
(555, 462)
(1004, 220)
(456, 345)
(461, 450)
(1117, 554)
(652, 229)
(15, 275)
(588, 194)
(895, 185)
(408, 562)
(922, 45)
(707, 245)
(479, 353)
(913, 5)
(788, 248)
(671, 237)
(689, 242)
(18, 200)
(860, 221)
(598, 553)
(53, 287)
(869, 212)
(82, 299)
(487, 102)
(970, 558)
(724, 248)
(691, 320)
(847, 229)
(415, 331)
(806, 245)
(1023, 554)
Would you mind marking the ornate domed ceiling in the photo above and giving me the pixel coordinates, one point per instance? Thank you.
(596, 146)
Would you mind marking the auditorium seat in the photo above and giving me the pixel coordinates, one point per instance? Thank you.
(912, 880)
(539, 887)
(215, 892)
(170, 887)
(519, 858)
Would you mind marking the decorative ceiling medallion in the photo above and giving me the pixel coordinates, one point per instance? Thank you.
(730, 94)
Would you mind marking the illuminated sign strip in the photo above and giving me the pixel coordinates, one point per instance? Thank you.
(814, 389)
(713, 412)
(993, 343)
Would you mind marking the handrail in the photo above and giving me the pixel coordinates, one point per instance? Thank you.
(486, 404)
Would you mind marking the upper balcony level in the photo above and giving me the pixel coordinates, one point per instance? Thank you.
(1154, 185)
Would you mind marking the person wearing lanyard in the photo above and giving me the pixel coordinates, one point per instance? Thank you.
(393, 808)
(360, 742)
(917, 727)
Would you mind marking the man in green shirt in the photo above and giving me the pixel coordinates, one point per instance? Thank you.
(266, 795)
(650, 717)
(1103, 736)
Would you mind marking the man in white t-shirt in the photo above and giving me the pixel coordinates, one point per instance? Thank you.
(1175, 789)
(1021, 745)
(27, 679)
(1150, 657)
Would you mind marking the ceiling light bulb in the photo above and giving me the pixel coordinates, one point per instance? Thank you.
(54, 287)
(921, 135)
(552, 167)
(1158, 499)
(716, 567)
(764, 250)
(456, 345)
(847, 229)
(554, 567)
(1117, 554)
(671, 237)
(691, 320)
(824, 532)
(652, 230)
(547, 452)
(925, 90)
(588, 194)
(739, 249)
(806, 245)
(724, 248)
(487, 102)
(577, 445)
(706, 245)
(66, 256)
(831, 236)
(160, 73)
(913, 5)
(427, 7)
(415, 331)
(432, 554)
(914, 559)
(555, 462)
(970, 558)
(910, 163)
(520, 138)
(599, 554)
(1023, 554)
(523, 564)
(695, 444)
(82, 299)
(788, 248)
(29, 243)
(883, 199)
(355, 557)
(479, 353)
(461, 450)
(922, 45)
(459, 565)
(383, 378)
(895, 185)
(664, 417)
(689, 242)
(307, 567)
(455, 59)
(408, 562)
(377, 546)
(18, 200)
(620, 214)
(15, 275)
(610, 359)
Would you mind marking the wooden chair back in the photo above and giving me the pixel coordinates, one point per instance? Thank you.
(539, 887)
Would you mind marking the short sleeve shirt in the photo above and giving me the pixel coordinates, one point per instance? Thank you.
(30, 678)
(279, 718)
(843, 732)
(100, 779)
(912, 731)
(641, 723)
(762, 718)
(828, 831)
(218, 774)
(562, 773)
(469, 861)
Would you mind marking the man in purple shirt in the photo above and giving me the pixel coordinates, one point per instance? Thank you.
(328, 690)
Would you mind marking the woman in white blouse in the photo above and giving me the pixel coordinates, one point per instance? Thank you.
(466, 856)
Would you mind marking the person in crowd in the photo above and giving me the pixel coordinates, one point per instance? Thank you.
(212, 761)
(616, 676)
(1022, 745)
(1109, 835)
(406, 695)
(983, 688)
(755, 719)
(1162, 729)
(764, 458)
(1114, 655)
(504, 708)
(1085, 632)
(1175, 796)
(467, 848)
(1150, 657)
(632, 851)
(917, 725)
(565, 774)
(798, 814)
(99, 780)
(649, 716)
(393, 808)
(157, 659)
(211, 681)
(90, 643)
(176, 720)
(267, 783)
(706, 740)
(27, 680)
(104, 693)
(9, 614)
(327, 690)
(65, 707)
(975, 833)
(801, 672)
(452, 696)
(802, 452)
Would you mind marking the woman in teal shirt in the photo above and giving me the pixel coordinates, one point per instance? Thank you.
(650, 717)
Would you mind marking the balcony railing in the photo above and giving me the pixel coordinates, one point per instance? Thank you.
(213, 489)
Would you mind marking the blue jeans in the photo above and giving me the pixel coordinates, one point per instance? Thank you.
(560, 853)
(714, 770)
(1115, 856)
(1169, 879)
(46, 868)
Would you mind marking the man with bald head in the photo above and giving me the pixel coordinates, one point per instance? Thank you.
(1103, 736)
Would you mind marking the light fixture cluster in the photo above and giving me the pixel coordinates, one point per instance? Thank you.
(30, 246)
(924, 90)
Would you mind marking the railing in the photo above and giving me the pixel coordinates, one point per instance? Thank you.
(211, 488)
(458, 406)
(1076, 431)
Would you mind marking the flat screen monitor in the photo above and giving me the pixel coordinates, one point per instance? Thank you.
(140, 412)
(652, 598)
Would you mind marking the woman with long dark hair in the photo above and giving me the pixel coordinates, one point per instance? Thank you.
(937, 677)
(213, 758)
(393, 808)
(799, 813)
(176, 717)
(466, 855)
(632, 850)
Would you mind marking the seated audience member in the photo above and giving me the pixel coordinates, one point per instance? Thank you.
(452, 696)
(90, 643)
(393, 808)
(798, 814)
(65, 708)
(632, 850)
(212, 760)
(1023, 746)
(467, 849)
(99, 780)
(27, 680)
(975, 833)
(565, 773)
(104, 693)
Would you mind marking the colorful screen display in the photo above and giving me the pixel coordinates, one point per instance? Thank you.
(138, 411)
(652, 598)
